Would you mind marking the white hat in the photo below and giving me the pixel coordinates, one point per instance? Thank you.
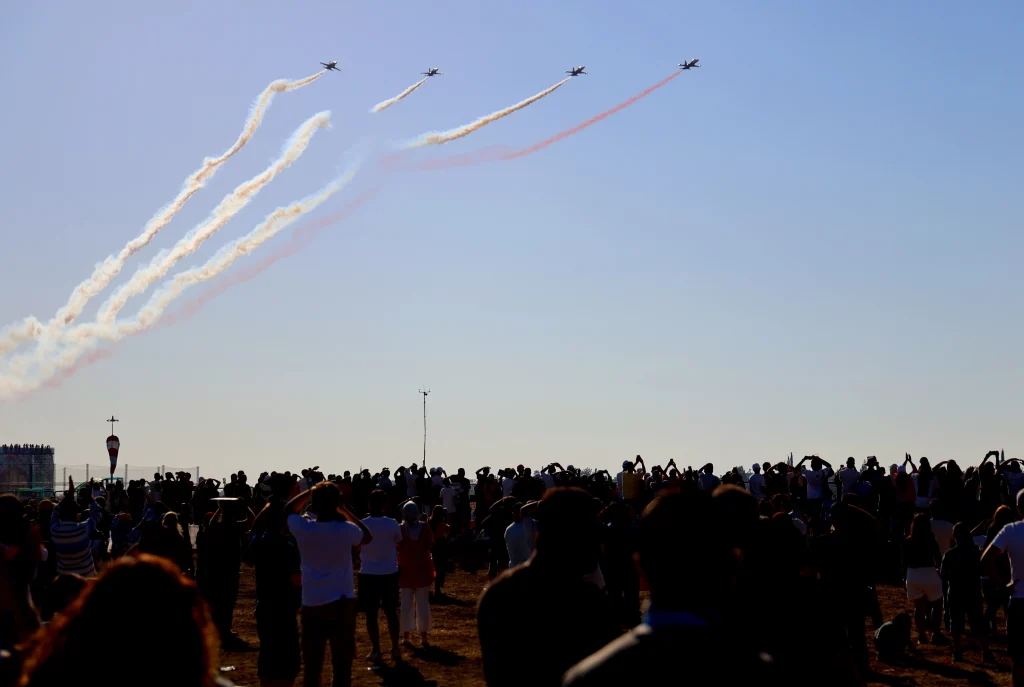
(755, 467)
(902, 468)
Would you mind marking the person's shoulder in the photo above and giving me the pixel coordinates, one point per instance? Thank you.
(610, 664)
(508, 584)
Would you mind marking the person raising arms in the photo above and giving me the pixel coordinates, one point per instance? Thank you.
(328, 587)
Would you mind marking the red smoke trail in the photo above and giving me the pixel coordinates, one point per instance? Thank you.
(504, 153)
(307, 232)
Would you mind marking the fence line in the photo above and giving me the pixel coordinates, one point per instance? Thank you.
(53, 479)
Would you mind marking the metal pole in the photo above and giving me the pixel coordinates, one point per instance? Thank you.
(424, 392)
(86, 472)
(126, 473)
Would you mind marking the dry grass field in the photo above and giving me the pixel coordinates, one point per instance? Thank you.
(455, 659)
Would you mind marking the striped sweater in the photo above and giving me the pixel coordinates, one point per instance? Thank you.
(72, 542)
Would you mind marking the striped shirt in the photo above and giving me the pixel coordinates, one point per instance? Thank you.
(72, 541)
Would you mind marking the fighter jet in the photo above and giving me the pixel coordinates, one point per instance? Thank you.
(690, 64)
(331, 65)
(576, 71)
(432, 72)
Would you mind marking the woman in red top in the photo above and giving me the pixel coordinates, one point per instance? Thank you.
(415, 574)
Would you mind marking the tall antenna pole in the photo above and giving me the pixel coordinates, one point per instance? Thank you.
(425, 393)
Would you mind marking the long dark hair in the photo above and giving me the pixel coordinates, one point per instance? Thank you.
(1000, 519)
(924, 479)
(921, 531)
(82, 632)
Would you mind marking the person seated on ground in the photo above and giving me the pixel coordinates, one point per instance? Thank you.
(178, 649)
(520, 603)
(893, 640)
(685, 618)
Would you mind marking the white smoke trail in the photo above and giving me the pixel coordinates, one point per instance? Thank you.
(228, 208)
(163, 262)
(391, 101)
(437, 138)
(111, 267)
(89, 334)
(11, 336)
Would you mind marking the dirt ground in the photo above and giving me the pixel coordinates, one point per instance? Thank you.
(455, 658)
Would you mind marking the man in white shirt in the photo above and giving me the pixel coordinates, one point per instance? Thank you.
(449, 496)
(848, 476)
(757, 483)
(328, 586)
(707, 481)
(519, 536)
(378, 576)
(508, 483)
(1010, 541)
(437, 477)
(385, 482)
(547, 475)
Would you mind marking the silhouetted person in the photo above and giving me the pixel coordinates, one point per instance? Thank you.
(684, 626)
(177, 648)
(546, 601)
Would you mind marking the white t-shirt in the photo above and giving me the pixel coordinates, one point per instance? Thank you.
(448, 495)
(757, 486)
(1011, 540)
(519, 540)
(507, 485)
(326, 551)
(437, 480)
(848, 477)
(384, 482)
(816, 481)
(380, 556)
(410, 483)
(549, 480)
(943, 532)
(707, 481)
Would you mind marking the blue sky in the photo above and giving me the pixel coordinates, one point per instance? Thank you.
(807, 245)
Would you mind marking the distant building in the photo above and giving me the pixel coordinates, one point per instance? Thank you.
(26, 467)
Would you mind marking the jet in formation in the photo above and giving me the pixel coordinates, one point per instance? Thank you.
(331, 65)
(691, 64)
(576, 71)
(432, 72)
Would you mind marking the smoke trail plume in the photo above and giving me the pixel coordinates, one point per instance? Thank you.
(109, 268)
(11, 336)
(300, 238)
(438, 138)
(86, 335)
(391, 101)
(505, 153)
(228, 208)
